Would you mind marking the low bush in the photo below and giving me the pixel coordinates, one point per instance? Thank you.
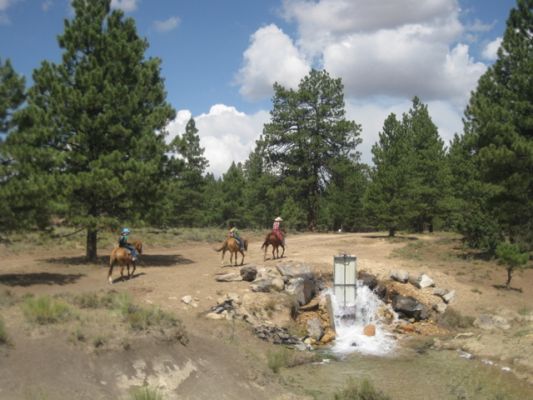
(46, 310)
(146, 393)
(452, 319)
(285, 358)
(4, 339)
(363, 391)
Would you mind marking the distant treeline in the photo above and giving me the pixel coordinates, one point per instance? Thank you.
(85, 144)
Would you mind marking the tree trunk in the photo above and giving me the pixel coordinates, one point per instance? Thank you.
(392, 232)
(509, 276)
(92, 236)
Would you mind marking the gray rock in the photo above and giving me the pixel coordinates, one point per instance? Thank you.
(303, 289)
(441, 292)
(278, 284)
(314, 329)
(409, 307)
(399, 276)
(381, 291)
(186, 299)
(448, 297)
(248, 273)
(367, 279)
(421, 281)
(229, 277)
(440, 307)
(261, 285)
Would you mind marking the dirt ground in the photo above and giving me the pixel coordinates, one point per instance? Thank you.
(221, 357)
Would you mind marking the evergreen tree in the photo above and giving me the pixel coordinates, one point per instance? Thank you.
(95, 122)
(232, 195)
(430, 175)
(499, 129)
(186, 193)
(388, 202)
(307, 134)
(12, 95)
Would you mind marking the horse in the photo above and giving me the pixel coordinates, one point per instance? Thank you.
(231, 245)
(122, 257)
(273, 240)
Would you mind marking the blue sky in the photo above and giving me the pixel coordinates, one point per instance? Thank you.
(220, 57)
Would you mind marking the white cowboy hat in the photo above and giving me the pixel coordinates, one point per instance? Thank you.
(278, 219)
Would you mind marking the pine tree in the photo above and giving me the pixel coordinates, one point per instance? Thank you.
(232, 195)
(388, 201)
(186, 190)
(307, 134)
(499, 129)
(12, 95)
(95, 122)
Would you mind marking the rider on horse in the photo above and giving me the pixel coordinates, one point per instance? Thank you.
(123, 242)
(276, 228)
(234, 233)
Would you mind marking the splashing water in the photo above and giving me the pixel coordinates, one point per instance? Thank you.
(351, 320)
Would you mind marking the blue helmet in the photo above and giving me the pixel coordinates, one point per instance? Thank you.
(125, 231)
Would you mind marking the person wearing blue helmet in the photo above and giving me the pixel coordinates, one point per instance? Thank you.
(123, 242)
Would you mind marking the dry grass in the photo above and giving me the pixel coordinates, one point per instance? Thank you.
(360, 391)
(46, 310)
(4, 338)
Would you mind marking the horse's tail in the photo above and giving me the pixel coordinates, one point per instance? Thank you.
(224, 245)
(245, 243)
(265, 244)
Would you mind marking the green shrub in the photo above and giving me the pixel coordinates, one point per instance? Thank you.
(452, 319)
(364, 391)
(146, 393)
(87, 300)
(285, 358)
(46, 310)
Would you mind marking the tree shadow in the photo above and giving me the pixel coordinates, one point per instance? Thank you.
(40, 278)
(126, 279)
(397, 238)
(503, 287)
(146, 260)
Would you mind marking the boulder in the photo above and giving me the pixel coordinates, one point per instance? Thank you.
(367, 279)
(448, 297)
(261, 285)
(248, 273)
(369, 330)
(440, 307)
(314, 329)
(229, 277)
(276, 335)
(295, 270)
(409, 307)
(303, 289)
(278, 284)
(186, 299)
(381, 291)
(329, 336)
(441, 292)
(213, 315)
(399, 276)
(421, 281)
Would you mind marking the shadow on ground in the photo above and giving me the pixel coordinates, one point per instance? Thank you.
(385, 236)
(146, 260)
(41, 278)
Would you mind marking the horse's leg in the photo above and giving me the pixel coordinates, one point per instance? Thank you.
(265, 255)
(242, 253)
(283, 252)
(222, 259)
(133, 269)
(273, 249)
(122, 272)
(111, 265)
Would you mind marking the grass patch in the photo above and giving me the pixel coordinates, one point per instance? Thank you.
(360, 391)
(4, 338)
(7, 298)
(46, 310)
(525, 311)
(452, 319)
(411, 251)
(285, 358)
(146, 393)
(476, 290)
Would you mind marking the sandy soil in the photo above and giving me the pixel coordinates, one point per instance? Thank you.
(221, 358)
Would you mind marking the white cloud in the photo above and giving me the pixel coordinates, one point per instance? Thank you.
(124, 5)
(46, 5)
(4, 4)
(490, 52)
(271, 57)
(226, 134)
(167, 24)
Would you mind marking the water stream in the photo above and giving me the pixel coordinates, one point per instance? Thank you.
(351, 320)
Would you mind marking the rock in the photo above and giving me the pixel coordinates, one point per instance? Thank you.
(276, 335)
(399, 276)
(490, 322)
(229, 277)
(248, 273)
(441, 292)
(312, 306)
(381, 291)
(367, 279)
(295, 270)
(425, 281)
(464, 335)
(440, 307)
(186, 299)
(409, 307)
(232, 297)
(213, 315)
(448, 297)
(303, 289)
(278, 284)
(421, 281)
(314, 329)
(261, 285)
(329, 336)
(369, 330)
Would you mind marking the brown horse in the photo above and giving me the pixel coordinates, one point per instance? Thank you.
(122, 257)
(273, 240)
(231, 245)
